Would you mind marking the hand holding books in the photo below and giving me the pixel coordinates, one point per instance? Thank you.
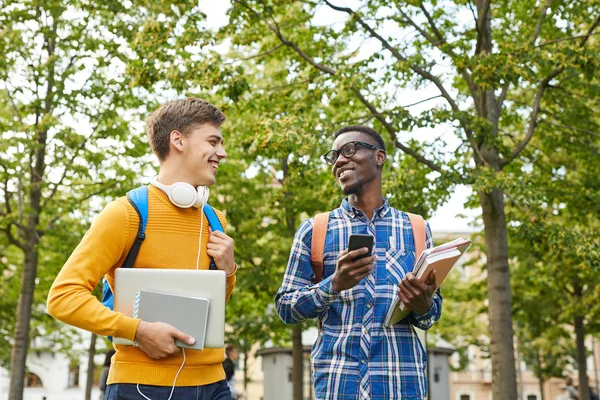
(415, 293)
(440, 259)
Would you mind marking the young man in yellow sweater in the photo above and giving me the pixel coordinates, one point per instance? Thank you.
(185, 136)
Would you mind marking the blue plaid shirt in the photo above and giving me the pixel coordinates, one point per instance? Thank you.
(356, 356)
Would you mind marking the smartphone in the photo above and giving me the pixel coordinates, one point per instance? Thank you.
(357, 241)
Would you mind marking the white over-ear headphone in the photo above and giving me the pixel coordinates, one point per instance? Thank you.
(184, 195)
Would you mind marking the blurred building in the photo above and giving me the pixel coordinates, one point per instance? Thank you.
(55, 376)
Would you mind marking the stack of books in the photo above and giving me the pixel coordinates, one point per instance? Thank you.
(441, 259)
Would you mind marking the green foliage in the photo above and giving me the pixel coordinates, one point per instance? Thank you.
(66, 115)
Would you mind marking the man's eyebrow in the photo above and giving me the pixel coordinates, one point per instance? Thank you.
(219, 138)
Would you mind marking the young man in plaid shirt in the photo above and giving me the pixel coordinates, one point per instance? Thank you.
(356, 356)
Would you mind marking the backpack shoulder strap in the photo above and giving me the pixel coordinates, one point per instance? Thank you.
(418, 226)
(213, 219)
(138, 198)
(215, 225)
(318, 245)
(139, 201)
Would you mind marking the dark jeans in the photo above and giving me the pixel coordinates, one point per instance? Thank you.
(126, 391)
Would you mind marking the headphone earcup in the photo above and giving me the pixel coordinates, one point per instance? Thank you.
(183, 195)
(202, 196)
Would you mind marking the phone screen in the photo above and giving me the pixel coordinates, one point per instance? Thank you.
(358, 241)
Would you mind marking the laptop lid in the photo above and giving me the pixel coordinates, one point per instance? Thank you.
(183, 282)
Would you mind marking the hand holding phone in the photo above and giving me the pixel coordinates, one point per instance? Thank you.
(354, 263)
(358, 241)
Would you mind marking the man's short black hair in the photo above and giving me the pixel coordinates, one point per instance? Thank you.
(362, 129)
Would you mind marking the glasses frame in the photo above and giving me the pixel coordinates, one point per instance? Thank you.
(331, 153)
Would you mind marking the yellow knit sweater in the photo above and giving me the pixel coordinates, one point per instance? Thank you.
(171, 242)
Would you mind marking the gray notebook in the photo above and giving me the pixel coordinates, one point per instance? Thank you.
(188, 314)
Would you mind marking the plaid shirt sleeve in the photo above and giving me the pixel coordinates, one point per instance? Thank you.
(298, 299)
(426, 321)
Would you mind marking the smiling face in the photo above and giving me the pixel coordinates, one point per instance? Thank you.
(356, 174)
(201, 151)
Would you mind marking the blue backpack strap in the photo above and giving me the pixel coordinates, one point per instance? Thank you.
(215, 225)
(139, 200)
(107, 295)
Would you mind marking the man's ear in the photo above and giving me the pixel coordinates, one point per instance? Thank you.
(380, 157)
(176, 139)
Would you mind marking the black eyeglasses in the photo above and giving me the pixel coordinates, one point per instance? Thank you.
(348, 150)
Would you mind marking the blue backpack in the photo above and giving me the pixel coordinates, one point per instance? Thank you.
(139, 200)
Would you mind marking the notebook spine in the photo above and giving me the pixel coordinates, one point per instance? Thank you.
(136, 305)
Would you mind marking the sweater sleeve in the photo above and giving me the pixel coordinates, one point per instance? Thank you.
(70, 298)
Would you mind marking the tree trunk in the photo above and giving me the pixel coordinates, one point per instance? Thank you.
(542, 382)
(504, 386)
(37, 166)
(584, 389)
(596, 366)
(91, 367)
(520, 373)
(540, 376)
(21, 338)
(298, 358)
(246, 378)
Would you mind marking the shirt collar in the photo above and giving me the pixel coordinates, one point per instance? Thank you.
(353, 212)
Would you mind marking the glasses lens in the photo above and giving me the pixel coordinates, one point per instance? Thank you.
(331, 156)
(348, 150)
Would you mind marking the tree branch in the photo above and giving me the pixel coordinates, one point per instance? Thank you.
(538, 28)
(7, 197)
(483, 35)
(264, 53)
(436, 42)
(422, 101)
(549, 42)
(67, 167)
(573, 128)
(371, 108)
(352, 121)
(102, 189)
(424, 74)
(544, 84)
(13, 240)
(533, 122)
(558, 87)
(392, 133)
(441, 40)
(13, 104)
(275, 29)
(474, 15)
(436, 31)
(502, 97)
(589, 32)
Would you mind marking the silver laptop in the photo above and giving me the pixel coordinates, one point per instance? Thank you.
(183, 282)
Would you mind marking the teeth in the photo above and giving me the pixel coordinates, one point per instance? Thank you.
(344, 173)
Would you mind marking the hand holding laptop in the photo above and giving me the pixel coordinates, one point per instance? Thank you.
(157, 339)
